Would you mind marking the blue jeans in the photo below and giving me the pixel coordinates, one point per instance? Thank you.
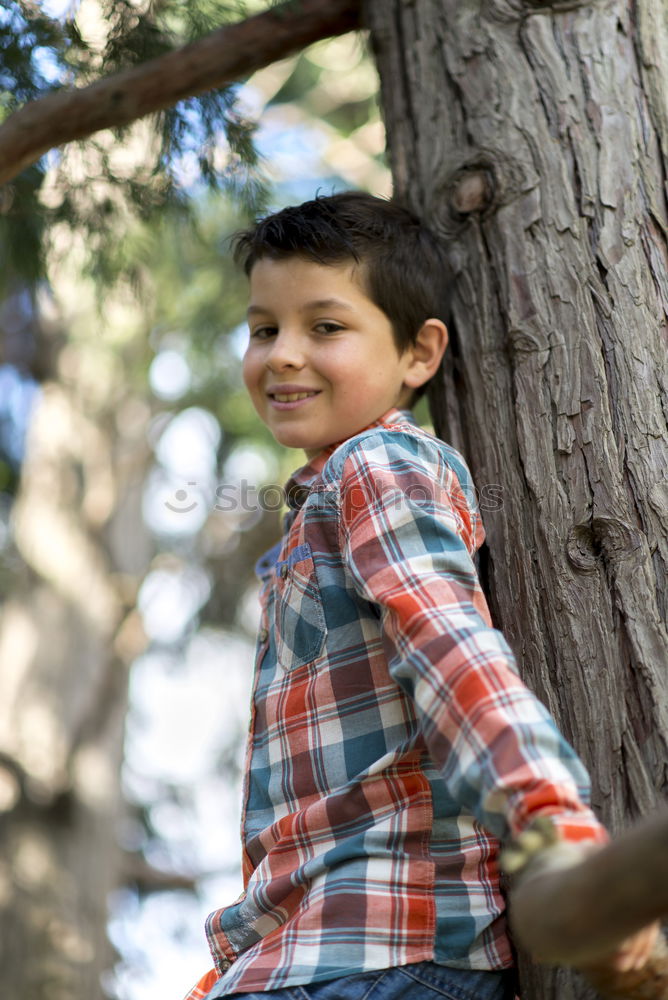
(420, 981)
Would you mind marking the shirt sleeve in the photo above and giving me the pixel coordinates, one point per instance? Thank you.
(408, 534)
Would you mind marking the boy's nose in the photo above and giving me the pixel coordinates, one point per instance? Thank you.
(286, 352)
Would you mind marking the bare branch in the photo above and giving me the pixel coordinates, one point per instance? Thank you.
(139, 872)
(224, 56)
(577, 915)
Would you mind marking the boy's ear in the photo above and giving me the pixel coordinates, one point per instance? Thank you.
(427, 351)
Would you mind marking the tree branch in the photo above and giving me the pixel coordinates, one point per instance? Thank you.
(577, 915)
(221, 58)
(139, 872)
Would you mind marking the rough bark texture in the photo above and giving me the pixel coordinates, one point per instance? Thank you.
(533, 140)
(217, 60)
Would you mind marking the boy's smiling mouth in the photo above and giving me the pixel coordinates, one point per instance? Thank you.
(289, 394)
(291, 397)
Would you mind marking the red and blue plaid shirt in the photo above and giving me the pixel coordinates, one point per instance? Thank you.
(392, 745)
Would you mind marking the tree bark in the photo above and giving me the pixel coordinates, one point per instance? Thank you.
(223, 57)
(532, 138)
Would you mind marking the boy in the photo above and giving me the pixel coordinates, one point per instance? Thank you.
(392, 745)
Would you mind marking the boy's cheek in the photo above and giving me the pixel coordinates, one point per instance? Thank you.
(251, 378)
(246, 370)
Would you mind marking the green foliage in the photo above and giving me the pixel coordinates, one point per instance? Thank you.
(33, 47)
(198, 302)
(40, 54)
(22, 232)
(203, 143)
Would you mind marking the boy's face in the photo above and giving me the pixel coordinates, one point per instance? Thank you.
(321, 362)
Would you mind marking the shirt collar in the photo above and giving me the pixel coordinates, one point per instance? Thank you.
(300, 482)
(298, 485)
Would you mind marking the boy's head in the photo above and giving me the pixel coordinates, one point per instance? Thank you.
(397, 259)
(345, 316)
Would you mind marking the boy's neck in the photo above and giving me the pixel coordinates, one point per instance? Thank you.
(391, 416)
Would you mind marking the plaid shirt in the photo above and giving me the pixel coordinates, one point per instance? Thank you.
(392, 744)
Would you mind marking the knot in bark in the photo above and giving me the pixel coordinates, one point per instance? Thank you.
(472, 190)
(615, 538)
(582, 549)
(603, 536)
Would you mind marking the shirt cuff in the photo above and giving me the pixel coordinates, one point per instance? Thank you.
(579, 826)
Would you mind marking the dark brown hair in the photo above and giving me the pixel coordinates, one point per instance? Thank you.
(402, 267)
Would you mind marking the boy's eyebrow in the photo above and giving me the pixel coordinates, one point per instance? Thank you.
(313, 304)
(328, 304)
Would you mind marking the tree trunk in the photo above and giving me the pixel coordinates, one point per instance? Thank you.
(533, 138)
(67, 634)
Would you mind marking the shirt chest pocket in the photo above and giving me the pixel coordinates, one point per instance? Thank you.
(300, 618)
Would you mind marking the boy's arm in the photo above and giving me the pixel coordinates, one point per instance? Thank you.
(500, 753)
(403, 526)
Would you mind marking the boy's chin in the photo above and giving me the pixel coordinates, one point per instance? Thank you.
(300, 443)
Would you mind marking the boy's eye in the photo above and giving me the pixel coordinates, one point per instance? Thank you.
(328, 327)
(263, 332)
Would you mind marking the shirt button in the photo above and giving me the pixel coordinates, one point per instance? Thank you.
(224, 964)
(263, 634)
(284, 570)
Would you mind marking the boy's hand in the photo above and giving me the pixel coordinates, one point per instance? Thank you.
(636, 970)
(634, 953)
